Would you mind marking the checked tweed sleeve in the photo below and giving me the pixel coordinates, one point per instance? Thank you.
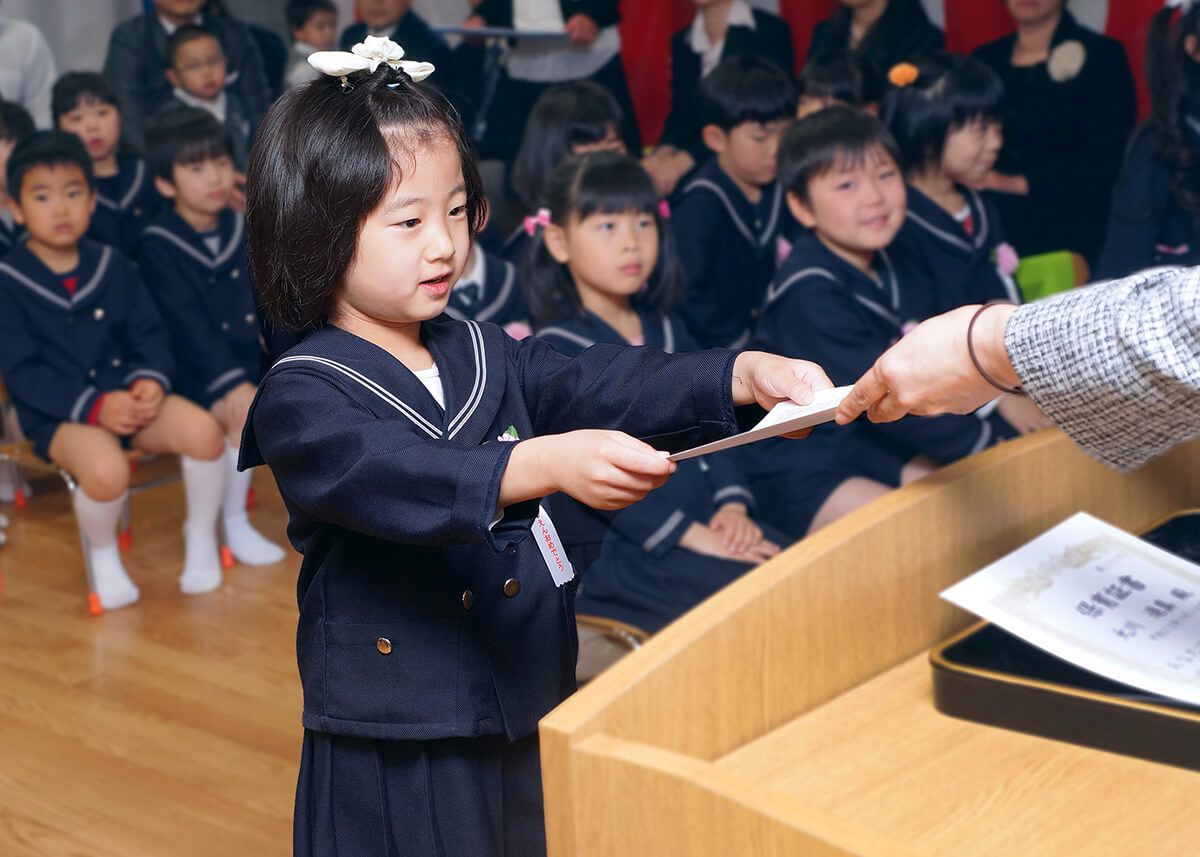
(1116, 365)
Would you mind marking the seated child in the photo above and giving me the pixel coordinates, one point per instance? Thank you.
(731, 212)
(313, 27)
(945, 113)
(87, 362)
(833, 76)
(568, 119)
(15, 125)
(488, 291)
(604, 271)
(85, 105)
(197, 71)
(842, 297)
(719, 30)
(411, 451)
(194, 259)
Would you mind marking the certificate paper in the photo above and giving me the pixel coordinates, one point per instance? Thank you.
(1102, 599)
(784, 418)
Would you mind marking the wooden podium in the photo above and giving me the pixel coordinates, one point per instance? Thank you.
(792, 715)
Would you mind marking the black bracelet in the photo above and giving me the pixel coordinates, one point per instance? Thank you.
(1014, 391)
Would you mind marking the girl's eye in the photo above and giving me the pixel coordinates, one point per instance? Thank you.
(645, 222)
(607, 225)
(411, 224)
(887, 174)
(458, 211)
(846, 185)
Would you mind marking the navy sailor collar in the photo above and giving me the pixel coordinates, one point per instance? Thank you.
(935, 221)
(128, 168)
(658, 331)
(470, 358)
(877, 292)
(29, 272)
(231, 227)
(710, 178)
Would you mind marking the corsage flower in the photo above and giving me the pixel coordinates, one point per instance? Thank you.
(1005, 258)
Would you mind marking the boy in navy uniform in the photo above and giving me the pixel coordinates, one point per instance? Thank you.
(15, 125)
(193, 258)
(126, 201)
(731, 212)
(87, 361)
(841, 298)
(488, 291)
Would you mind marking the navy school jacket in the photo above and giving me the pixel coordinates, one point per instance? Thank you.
(391, 498)
(10, 236)
(727, 247)
(1147, 227)
(491, 295)
(769, 39)
(59, 352)
(822, 308)
(962, 268)
(125, 205)
(698, 488)
(499, 13)
(207, 302)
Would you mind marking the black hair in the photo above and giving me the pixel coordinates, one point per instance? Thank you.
(949, 93)
(15, 122)
(187, 34)
(836, 74)
(877, 47)
(47, 149)
(1174, 81)
(596, 183)
(80, 87)
(178, 136)
(838, 135)
(322, 161)
(565, 116)
(298, 12)
(746, 89)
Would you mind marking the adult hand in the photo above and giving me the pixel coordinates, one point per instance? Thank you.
(1004, 183)
(1022, 414)
(666, 167)
(930, 370)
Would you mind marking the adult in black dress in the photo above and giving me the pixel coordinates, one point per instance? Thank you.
(1071, 109)
(882, 32)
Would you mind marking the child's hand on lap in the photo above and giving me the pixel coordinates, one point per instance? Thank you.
(148, 391)
(121, 413)
(738, 531)
(767, 379)
(708, 541)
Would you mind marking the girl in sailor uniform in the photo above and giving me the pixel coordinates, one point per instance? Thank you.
(1155, 217)
(842, 298)
(193, 258)
(126, 201)
(412, 450)
(87, 361)
(604, 270)
(945, 113)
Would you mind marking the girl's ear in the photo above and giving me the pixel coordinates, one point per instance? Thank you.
(801, 210)
(555, 238)
(164, 187)
(1192, 45)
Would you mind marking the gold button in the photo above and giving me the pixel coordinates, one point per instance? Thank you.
(468, 599)
(511, 587)
(384, 645)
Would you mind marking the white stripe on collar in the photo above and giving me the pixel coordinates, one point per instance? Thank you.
(742, 226)
(978, 240)
(414, 417)
(59, 300)
(775, 292)
(568, 335)
(879, 309)
(135, 186)
(210, 262)
(891, 270)
(668, 335)
(472, 404)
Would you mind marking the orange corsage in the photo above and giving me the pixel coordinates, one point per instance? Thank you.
(903, 74)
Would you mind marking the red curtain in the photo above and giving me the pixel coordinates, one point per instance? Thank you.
(648, 24)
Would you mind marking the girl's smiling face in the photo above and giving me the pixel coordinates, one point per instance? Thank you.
(413, 247)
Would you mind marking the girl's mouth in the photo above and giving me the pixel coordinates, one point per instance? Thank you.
(438, 285)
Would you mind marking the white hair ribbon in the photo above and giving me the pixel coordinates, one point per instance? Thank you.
(368, 55)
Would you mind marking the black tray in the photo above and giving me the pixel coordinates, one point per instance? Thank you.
(990, 676)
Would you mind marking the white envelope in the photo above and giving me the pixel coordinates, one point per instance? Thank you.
(784, 418)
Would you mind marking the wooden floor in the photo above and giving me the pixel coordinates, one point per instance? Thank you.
(171, 727)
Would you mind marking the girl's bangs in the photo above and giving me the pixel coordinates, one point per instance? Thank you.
(615, 187)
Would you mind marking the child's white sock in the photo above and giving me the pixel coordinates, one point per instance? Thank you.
(98, 523)
(247, 544)
(204, 484)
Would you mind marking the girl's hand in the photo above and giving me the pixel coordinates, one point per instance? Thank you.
(1022, 414)
(738, 532)
(602, 469)
(120, 413)
(767, 379)
(581, 29)
(706, 541)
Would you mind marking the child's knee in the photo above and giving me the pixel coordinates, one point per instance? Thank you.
(205, 439)
(104, 477)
